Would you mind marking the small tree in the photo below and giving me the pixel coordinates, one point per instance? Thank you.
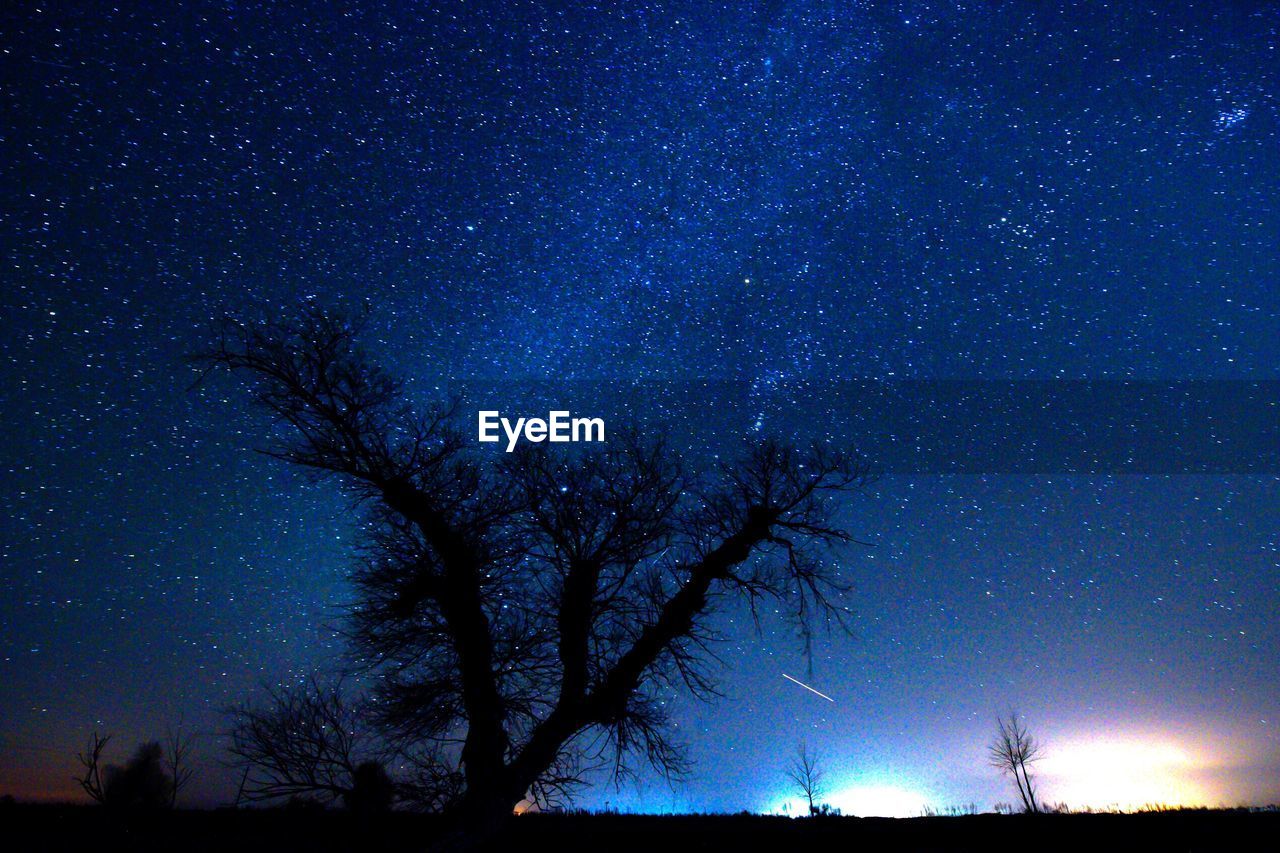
(308, 741)
(154, 777)
(177, 761)
(807, 774)
(372, 789)
(141, 783)
(91, 762)
(1011, 751)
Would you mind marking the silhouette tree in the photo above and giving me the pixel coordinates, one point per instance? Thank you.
(307, 741)
(177, 762)
(807, 774)
(153, 778)
(141, 783)
(523, 612)
(90, 778)
(1012, 749)
(372, 789)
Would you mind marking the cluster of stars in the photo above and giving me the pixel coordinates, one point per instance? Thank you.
(758, 197)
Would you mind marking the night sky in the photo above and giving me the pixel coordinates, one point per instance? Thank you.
(763, 195)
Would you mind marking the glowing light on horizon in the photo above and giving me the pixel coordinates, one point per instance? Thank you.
(1123, 773)
(862, 801)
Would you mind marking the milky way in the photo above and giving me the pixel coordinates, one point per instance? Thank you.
(765, 195)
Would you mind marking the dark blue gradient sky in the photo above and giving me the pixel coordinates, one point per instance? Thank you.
(768, 193)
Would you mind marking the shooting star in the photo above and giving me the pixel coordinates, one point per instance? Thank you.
(807, 687)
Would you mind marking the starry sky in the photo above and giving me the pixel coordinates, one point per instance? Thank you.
(745, 202)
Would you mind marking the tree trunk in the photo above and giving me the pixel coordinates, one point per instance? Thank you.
(477, 819)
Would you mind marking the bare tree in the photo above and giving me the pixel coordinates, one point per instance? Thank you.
(91, 762)
(807, 774)
(428, 780)
(1011, 751)
(304, 740)
(153, 777)
(177, 759)
(524, 613)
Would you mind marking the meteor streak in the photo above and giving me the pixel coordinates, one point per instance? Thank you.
(807, 687)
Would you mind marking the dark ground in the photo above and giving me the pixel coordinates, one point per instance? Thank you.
(86, 828)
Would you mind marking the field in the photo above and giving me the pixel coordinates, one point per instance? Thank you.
(80, 828)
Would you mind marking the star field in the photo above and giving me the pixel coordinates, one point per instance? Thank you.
(773, 195)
